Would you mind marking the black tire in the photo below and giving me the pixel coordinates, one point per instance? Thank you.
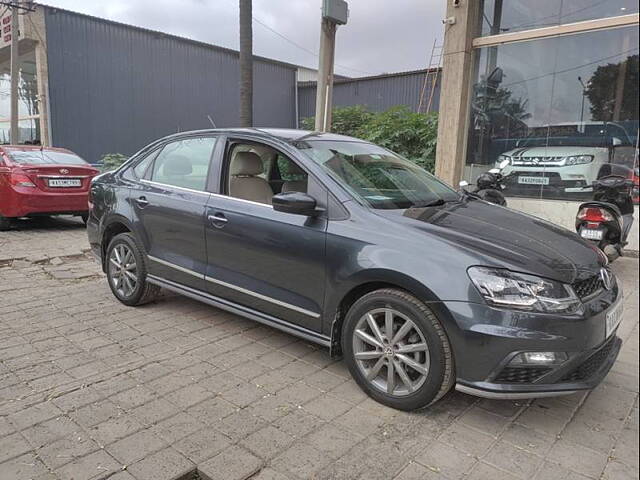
(5, 223)
(144, 292)
(440, 375)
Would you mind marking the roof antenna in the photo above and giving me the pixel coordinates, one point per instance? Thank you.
(211, 120)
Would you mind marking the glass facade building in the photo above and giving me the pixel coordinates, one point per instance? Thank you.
(554, 91)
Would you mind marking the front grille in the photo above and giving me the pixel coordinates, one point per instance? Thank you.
(521, 374)
(586, 288)
(591, 365)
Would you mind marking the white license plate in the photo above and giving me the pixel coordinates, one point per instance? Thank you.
(533, 180)
(65, 182)
(613, 318)
(591, 234)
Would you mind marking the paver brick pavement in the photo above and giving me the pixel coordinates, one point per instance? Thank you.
(91, 389)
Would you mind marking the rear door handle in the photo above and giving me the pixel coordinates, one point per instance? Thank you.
(142, 202)
(218, 220)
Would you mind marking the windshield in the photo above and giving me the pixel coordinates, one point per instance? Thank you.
(579, 134)
(44, 157)
(377, 176)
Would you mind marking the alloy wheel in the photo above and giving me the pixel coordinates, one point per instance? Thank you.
(123, 270)
(391, 352)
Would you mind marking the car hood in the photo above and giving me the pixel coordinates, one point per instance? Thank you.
(551, 151)
(505, 238)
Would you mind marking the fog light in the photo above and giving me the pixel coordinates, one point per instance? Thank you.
(539, 358)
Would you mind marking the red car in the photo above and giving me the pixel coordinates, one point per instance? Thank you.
(37, 181)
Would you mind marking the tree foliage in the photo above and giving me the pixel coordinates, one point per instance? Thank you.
(602, 90)
(410, 134)
(111, 161)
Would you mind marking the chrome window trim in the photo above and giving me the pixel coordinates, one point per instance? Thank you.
(151, 182)
(234, 287)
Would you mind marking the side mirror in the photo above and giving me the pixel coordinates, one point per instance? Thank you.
(296, 203)
(463, 184)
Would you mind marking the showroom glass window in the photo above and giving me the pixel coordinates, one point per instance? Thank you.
(562, 109)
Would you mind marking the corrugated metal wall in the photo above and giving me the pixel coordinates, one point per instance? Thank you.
(375, 93)
(115, 88)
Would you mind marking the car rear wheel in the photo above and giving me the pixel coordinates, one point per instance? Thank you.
(397, 350)
(5, 223)
(127, 271)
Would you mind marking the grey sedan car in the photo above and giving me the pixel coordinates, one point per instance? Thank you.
(346, 244)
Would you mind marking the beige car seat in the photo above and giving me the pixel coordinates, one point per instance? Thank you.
(245, 182)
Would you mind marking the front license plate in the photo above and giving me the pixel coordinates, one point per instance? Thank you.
(591, 234)
(533, 180)
(613, 318)
(65, 182)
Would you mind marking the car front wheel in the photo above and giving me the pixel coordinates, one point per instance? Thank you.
(397, 350)
(127, 271)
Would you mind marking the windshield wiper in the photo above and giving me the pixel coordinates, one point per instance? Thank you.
(434, 203)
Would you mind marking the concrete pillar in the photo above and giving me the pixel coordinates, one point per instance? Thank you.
(36, 30)
(456, 89)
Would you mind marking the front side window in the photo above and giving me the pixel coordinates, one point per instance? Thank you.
(184, 163)
(377, 176)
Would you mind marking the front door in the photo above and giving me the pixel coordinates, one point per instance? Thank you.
(169, 207)
(266, 260)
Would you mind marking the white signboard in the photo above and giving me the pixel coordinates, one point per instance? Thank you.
(7, 30)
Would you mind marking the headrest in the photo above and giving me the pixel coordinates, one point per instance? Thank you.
(178, 164)
(246, 163)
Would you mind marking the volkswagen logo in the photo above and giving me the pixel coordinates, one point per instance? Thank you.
(64, 171)
(607, 279)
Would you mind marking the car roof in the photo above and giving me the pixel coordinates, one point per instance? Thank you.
(288, 135)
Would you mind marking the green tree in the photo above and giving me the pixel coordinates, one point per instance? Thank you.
(412, 135)
(602, 91)
(111, 161)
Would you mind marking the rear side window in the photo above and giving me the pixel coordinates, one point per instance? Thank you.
(140, 169)
(184, 163)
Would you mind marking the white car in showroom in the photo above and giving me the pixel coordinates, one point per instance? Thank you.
(564, 159)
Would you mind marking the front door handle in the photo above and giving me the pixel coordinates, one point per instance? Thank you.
(142, 202)
(218, 220)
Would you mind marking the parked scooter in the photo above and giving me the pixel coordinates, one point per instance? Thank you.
(489, 185)
(606, 221)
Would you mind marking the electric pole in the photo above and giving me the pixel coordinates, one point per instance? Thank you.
(15, 73)
(246, 64)
(334, 13)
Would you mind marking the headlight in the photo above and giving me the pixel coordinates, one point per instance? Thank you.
(506, 289)
(578, 159)
(502, 158)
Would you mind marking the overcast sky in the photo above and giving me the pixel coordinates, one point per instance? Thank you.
(381, 36)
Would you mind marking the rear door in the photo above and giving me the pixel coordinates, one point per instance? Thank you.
(168, 207)
(266, 260)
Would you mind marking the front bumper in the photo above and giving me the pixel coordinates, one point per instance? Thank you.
(485, 339)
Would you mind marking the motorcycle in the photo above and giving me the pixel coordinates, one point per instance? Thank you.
(606, 221)
(489, 185)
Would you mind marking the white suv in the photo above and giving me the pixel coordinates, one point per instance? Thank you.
(564, 158)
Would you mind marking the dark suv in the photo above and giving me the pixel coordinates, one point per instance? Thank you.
(346, 244)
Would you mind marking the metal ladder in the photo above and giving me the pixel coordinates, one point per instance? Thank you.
(431, 78)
